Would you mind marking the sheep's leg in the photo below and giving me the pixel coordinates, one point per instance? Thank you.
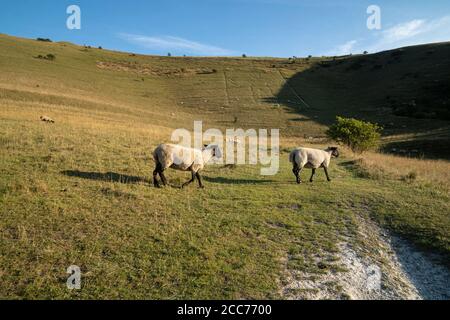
(326, 172)
(312, 175)
(163, 177)
(190, 181)
(200, 184)
(155, 174)
(296, 170)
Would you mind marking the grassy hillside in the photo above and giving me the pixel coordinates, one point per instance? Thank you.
(78, 191)
(406, 90)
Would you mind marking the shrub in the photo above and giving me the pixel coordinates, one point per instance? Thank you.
(244, 56)
(356, 134)
(49, 56)
(44, 39)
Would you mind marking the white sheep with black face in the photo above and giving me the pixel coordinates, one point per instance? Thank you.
(312, 159)
(184, 159)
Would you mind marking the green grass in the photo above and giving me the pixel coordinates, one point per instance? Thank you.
(78, 192)
(134, 241)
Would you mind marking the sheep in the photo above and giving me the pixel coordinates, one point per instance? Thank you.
(46, 119)
(184, 159)
(312, 159)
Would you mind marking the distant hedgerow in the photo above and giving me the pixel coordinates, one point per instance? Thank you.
(356, 134)
(49, 56)
(44, 39)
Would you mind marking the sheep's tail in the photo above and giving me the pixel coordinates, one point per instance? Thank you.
(156, 156)
(292, 157)
(160, 155)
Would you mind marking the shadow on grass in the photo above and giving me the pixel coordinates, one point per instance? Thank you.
(108, 176)
(223, 180)
(348, 164)
(354, 168)
(438, 148)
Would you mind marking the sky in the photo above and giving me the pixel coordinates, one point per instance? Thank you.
(277, 28)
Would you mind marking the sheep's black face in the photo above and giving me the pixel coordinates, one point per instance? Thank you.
(335, 152)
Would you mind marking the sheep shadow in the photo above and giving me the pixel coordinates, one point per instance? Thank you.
(223, 180)
(108, 176)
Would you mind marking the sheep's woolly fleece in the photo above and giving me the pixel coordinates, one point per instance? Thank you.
(311, 158)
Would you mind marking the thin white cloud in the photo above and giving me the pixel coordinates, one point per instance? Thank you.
(414, 32)
(404, 31)
(345, 48)
(175, 44)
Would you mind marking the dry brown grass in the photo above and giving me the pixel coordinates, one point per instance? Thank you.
(384, 165)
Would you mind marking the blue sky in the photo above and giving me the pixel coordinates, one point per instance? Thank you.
(279, 28)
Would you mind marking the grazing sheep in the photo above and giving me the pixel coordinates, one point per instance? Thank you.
(311, 159)
(184, 159)
(46, 119)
